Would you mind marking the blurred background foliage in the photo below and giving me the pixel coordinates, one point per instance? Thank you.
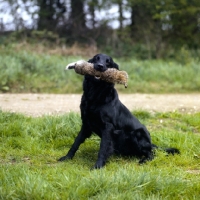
(145, 29)
(156, 42)
(39, 69)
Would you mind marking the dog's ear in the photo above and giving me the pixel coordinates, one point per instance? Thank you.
(114, 65)
(91, 60)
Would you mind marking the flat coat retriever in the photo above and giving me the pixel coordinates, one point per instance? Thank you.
(103, 113)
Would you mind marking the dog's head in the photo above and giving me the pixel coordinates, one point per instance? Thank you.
(102, 62)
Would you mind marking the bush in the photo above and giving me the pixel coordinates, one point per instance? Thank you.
(29, 68)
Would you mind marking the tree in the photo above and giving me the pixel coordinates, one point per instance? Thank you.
(160, 24)
(93, 4)
(155, 26)
(184, 19)
(146, 28)
(49, 13)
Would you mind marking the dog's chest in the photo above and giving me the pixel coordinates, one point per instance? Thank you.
(94, 115)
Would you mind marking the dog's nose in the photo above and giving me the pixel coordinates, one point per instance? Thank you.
(100, 66)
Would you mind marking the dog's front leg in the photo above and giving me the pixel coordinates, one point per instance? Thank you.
(106, 146)
(83, 134)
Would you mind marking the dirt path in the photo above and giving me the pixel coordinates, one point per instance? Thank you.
(40, 104)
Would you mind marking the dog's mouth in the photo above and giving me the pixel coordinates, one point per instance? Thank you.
(97, 77)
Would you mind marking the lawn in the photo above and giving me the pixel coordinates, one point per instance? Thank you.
(29, 148)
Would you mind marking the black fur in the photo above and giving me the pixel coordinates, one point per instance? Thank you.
(104, 114)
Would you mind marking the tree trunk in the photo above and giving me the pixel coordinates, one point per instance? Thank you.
(120, 15)
(49, 14)
(77, 15)
(46, 12)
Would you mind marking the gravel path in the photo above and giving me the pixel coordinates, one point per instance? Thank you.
(40, 104)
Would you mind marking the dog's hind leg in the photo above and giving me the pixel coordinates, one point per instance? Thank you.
(83, 134)
(141, 139)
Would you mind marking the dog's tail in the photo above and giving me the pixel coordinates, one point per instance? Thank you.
(169, 150)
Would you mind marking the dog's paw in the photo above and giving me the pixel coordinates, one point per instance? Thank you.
(64, 158)
(142, 161)
(146, 159)
(98, 165)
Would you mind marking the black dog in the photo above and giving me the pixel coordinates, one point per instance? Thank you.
(104, 114)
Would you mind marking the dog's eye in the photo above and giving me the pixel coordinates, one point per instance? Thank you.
(107, 61)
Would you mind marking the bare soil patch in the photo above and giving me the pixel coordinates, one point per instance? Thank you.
(51, 104)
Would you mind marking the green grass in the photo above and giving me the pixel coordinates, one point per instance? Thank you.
(26, 70)
(158, 76)
(29, 148)
(23, 71)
